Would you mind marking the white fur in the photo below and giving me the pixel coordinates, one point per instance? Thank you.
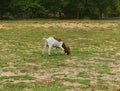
(51, 42)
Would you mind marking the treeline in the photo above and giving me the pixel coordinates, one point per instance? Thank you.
(74, 9)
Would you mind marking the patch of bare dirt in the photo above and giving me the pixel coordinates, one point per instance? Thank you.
(72, 60)
(74, 84)
(115, 68)
(43, 78)
(25, 81)
(10, 74)
(118, 54)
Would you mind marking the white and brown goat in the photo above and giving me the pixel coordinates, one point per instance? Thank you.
(57, 43)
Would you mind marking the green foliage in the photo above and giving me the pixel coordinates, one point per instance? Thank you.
(59, 8)
(27, 8)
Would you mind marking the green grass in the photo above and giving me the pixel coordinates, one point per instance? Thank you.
(49, 87)
(92, 65)
(83, 74)
(14, 87)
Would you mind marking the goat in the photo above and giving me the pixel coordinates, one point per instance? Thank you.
(57, 43)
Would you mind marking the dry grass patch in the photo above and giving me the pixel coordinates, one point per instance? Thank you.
(76, 25)
(5, 26)
(61, 25)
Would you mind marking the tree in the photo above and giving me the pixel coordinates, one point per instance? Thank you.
(73, 8)
(27, 8)
(107, 7)
(4, 8)
(59, 8)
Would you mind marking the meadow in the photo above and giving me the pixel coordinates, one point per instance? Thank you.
(93, 65)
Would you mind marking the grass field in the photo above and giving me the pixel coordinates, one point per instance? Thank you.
(94, 63)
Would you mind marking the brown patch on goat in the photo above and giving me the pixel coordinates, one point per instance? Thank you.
(66, 48)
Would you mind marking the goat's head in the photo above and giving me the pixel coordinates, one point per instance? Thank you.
(67, 50)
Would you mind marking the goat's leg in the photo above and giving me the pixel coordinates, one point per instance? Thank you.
(60, 46)
(49, 49)
(56, 50)
(45, 46)
(62, 49)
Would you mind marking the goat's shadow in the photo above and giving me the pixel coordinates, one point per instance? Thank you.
(52, 55)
